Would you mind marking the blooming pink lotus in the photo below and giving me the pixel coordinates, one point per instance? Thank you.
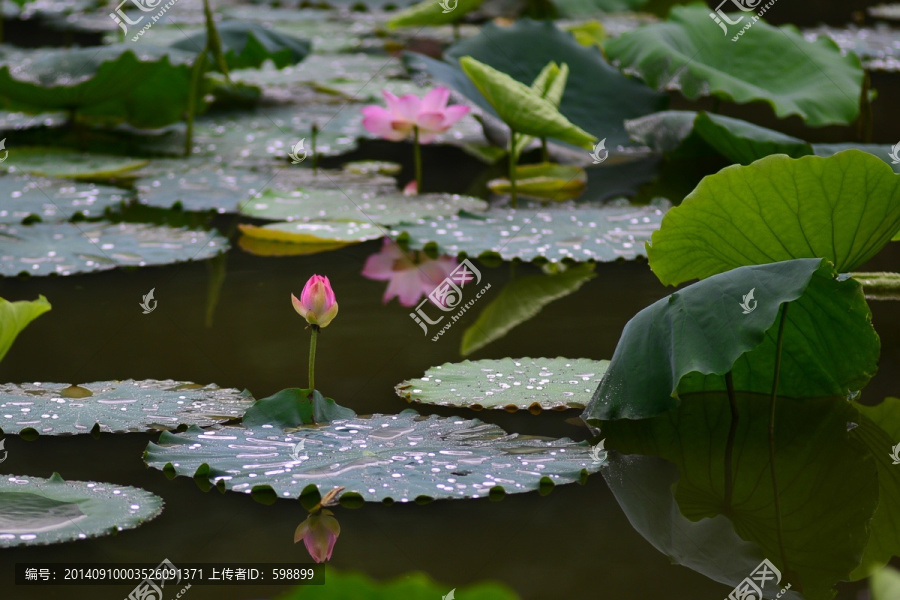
(430, 115)
(410, 275)
(317, 303)
(319, 533)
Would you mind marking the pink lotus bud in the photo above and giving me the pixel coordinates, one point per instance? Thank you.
(319, 533)
(317, 303)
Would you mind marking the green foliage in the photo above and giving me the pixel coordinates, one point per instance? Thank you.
(15, 316)
(249, 45)
(430, 12)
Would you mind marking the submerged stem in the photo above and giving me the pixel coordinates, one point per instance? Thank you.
(778, 346)
(729, 447)
(312, 356)
(512, 166)
(193, 94)
(418, 153)
(545, 154)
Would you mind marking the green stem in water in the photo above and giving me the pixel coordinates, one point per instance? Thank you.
(418, 157)
(729, 446)
(193, 94)
(315, 134)
(545, 155)
(214, 42)
(512, 167)
(778, 347)
(312, 357)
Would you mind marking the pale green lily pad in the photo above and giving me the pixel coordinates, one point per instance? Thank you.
(368, 167)
(36, 511)
(876, 46)
(58, 162)
(115, 406)
(402, 458)
(321, 68)
(511, 384)
(311, 232)
(350, 204)
(206, 188)
(66, 248)
(54, 199)
(598, 233)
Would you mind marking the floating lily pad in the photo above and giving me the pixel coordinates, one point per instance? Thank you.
(401, 458)
(59, 162)
(249, 45)
(599, 233)
(532, 384)
(875, 46)
(320, 68)
(37, 512)
(115, 406)
(207, 188)
(54, 199)
(367, 167)
(775, 65)
(349, 204)
(66, 248)
(311, 232)
(545, 181)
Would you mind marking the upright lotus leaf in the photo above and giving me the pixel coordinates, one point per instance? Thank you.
(885, 584)
(349, 585)
(66, 248)
(249, 45)
(31, 409)
(15, 316)
(146, 86)
(433, 12)
(602, 233)
(775, 65)
(511, 384)
(678, 132)
(47, 199)
(597, 96)
(521, 300)
(386, 458)
(811, 521)
(844, 208)
(549, 85)
(520, 108)
(688, 341)
(37, 512)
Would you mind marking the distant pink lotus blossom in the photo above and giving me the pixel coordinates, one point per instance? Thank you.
(319, 533)
(411, 275)
(430, 114)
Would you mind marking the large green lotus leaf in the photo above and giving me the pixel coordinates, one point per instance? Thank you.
(59, 162)
(826, 489)
(403, 458)
(249, 45)
(844, 208)
(586, 102)
(54, 199)
(349, 204)
(37, 512)
(433, 13)
(348, 585)
(688, 341)
(15, 316)
(885, 584)
(532, 384)
(879, 431)
(146, 86)
(598, 233)
(775, 65)
(677, 132)
(313, 232)
(115, 406)
(66, 248)
(520, 108)
(520, 300)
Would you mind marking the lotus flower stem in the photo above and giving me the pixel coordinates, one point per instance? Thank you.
(193, 93)
(214, 42)
(418, 158)
(864, 123)
(315, 155)
(778, 346)
(512, 167)
(545, 155)
(729, 447)
(312, 356)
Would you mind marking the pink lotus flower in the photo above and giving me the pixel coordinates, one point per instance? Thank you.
(430, 114)
(317, 303)
(319, 533)
(411, 276)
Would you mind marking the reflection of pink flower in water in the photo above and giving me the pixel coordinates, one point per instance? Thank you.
(411, 275)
